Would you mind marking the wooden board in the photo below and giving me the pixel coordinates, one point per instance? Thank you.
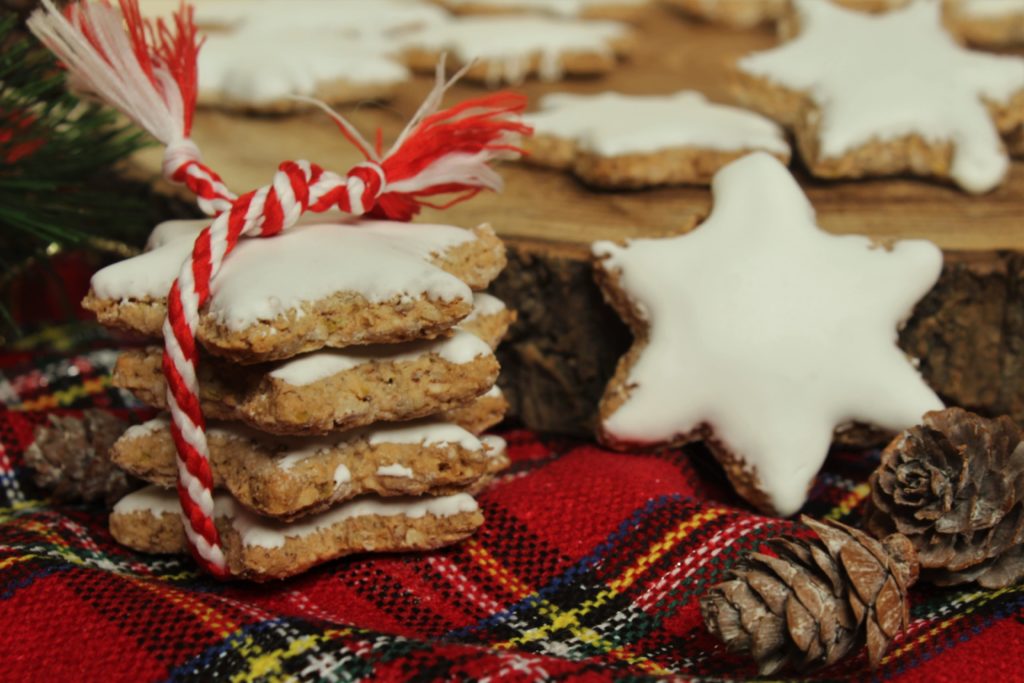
(566, 345)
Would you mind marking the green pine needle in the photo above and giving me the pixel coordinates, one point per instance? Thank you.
(56, 158)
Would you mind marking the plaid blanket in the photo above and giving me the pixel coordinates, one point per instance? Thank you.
(589, 567)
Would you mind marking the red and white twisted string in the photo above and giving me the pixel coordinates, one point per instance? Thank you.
(297, 187)
(149, 74)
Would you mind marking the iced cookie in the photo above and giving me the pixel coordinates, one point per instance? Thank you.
(364, 18)
(749, 13)
(987, 23)
(489, 319)
(627, 141)
(290, 477)
(509, 49)
(761, 334)
(939, 114)
(616, 10)
(320, 285)
(329, 391)
(261, 549)
(261, 70)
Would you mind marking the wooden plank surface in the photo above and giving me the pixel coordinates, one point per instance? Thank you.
(672, 53)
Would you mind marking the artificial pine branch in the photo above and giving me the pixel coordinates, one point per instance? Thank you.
(57, 187)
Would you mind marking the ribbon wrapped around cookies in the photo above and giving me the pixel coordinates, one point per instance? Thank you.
(148, 72)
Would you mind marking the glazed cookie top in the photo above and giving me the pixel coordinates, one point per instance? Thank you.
(237, 66)
(885, 76)
(460, 348)
(611, 123)
(768, 330)
(377, 259)
(484, 304)
(510, 43)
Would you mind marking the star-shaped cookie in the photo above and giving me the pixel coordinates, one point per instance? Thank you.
(891, 93)
(257, 55)
(509, 49)
(615, 140)
(761, 333)
(261, 69)
(328, 282)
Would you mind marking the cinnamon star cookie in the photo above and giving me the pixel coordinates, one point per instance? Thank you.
(760, 333)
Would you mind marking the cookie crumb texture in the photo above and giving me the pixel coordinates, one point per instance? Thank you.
(328, 391)
(987, 23)
(514, 48)
(288, 478)
(714, 366)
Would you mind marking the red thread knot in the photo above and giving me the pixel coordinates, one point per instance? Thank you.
(366, 183)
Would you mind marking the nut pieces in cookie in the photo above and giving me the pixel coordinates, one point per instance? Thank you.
(614, 140)
(761, 333)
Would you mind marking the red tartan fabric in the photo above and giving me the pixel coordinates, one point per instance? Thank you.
(588, 568)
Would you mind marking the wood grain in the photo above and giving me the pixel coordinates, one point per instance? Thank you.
(967, 332)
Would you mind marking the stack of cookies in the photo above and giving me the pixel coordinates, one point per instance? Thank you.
(347, 374)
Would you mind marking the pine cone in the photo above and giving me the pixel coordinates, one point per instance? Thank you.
(955, 487)
(70, 457)
(817, 600)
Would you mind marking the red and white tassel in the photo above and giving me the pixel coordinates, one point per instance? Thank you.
(439, 152)
(145, 71)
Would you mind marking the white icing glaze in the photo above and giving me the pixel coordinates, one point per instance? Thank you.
(493, 445)
(147, 275)
(460, 348)
(169, 231)
(484, 304)
(342, 476)
(378, 259)
(889, 75)
(232, 430)
(426, 432)
(612, 124)
(240, 67)
(494, 392)
(509, 43)
(350, 17)
(394, 470)
(989, 9)
(152, 499)
(770, 330)
(139, 431)
(266, 533)
(562, 8)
